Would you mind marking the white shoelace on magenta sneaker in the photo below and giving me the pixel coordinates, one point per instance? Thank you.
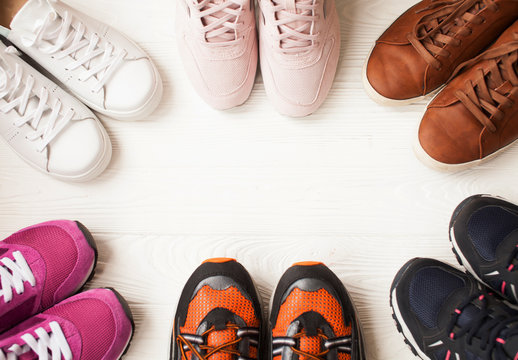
(53, 341)
(220, 19)
(31, 107)
(13, 275)
(295, 20)
(68, 38)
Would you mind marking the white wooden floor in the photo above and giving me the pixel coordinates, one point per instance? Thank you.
(342, 186)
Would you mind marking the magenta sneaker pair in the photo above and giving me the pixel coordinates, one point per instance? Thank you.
(40, 267)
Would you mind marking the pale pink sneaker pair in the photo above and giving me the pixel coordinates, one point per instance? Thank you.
(299, 43)
(40, 267)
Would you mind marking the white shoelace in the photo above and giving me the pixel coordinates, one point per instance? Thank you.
(17, 96)
(13, 275)
(295, 19)
(220, 19)
(89, 56)
(54, 341)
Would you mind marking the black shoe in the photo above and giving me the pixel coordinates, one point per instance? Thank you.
(312, 317)
(219, 315)
(445, 314)
(484, 235)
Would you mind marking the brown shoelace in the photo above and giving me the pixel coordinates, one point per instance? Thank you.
(444, 25)
(189, 342)
(227, 348)
(318, 356)
(488, 94)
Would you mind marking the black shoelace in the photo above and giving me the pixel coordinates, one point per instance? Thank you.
(491, 329)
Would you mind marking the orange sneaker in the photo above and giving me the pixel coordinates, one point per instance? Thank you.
(219, 315)
(312, 317)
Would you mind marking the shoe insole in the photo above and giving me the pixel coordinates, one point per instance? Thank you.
(9, 10)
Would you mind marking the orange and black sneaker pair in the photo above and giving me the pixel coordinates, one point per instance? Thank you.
(219, 316)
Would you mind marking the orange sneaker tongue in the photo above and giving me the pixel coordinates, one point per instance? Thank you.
(311, 345)
(217, 338)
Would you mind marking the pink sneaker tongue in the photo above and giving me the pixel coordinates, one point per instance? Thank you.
(290, 6)
(207, 20)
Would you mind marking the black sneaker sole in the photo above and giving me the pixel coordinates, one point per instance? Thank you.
(129, 314)
(90, 239)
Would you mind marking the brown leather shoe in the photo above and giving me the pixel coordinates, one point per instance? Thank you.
(420, 50)
(476, 114)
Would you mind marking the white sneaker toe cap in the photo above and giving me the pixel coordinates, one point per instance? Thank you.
(80, 151)
(130, 90)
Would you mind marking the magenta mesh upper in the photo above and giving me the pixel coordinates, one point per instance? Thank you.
(58, 251)
(94, 321)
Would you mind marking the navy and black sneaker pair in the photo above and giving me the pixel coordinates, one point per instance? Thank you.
(219, 316)
(446, 314)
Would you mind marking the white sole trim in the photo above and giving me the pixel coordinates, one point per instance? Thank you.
(405, 330)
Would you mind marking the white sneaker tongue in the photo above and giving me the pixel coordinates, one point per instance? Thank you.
(31, 13)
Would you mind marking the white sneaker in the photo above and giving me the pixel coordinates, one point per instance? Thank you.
(46, 126)
(100, 66)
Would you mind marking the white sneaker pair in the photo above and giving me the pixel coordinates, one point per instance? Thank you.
(49, 128)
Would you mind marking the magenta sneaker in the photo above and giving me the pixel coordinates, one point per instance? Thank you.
(93, 325)
(42, 265)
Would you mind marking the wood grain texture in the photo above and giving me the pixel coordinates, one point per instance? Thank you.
(341, 186)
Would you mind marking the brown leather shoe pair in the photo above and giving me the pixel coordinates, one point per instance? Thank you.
(476, 114)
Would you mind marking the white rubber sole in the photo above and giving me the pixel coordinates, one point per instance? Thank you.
(382, 100)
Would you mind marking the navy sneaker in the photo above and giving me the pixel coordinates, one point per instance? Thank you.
(445, 314)
(312, 317)
(484, 235)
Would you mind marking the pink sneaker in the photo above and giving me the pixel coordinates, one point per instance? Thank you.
(42, 265)
(93, 325)
(217, 42)
(299, 42)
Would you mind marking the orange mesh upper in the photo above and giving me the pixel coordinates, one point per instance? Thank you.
(321, 301)
(310, 344)
(208, 299)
